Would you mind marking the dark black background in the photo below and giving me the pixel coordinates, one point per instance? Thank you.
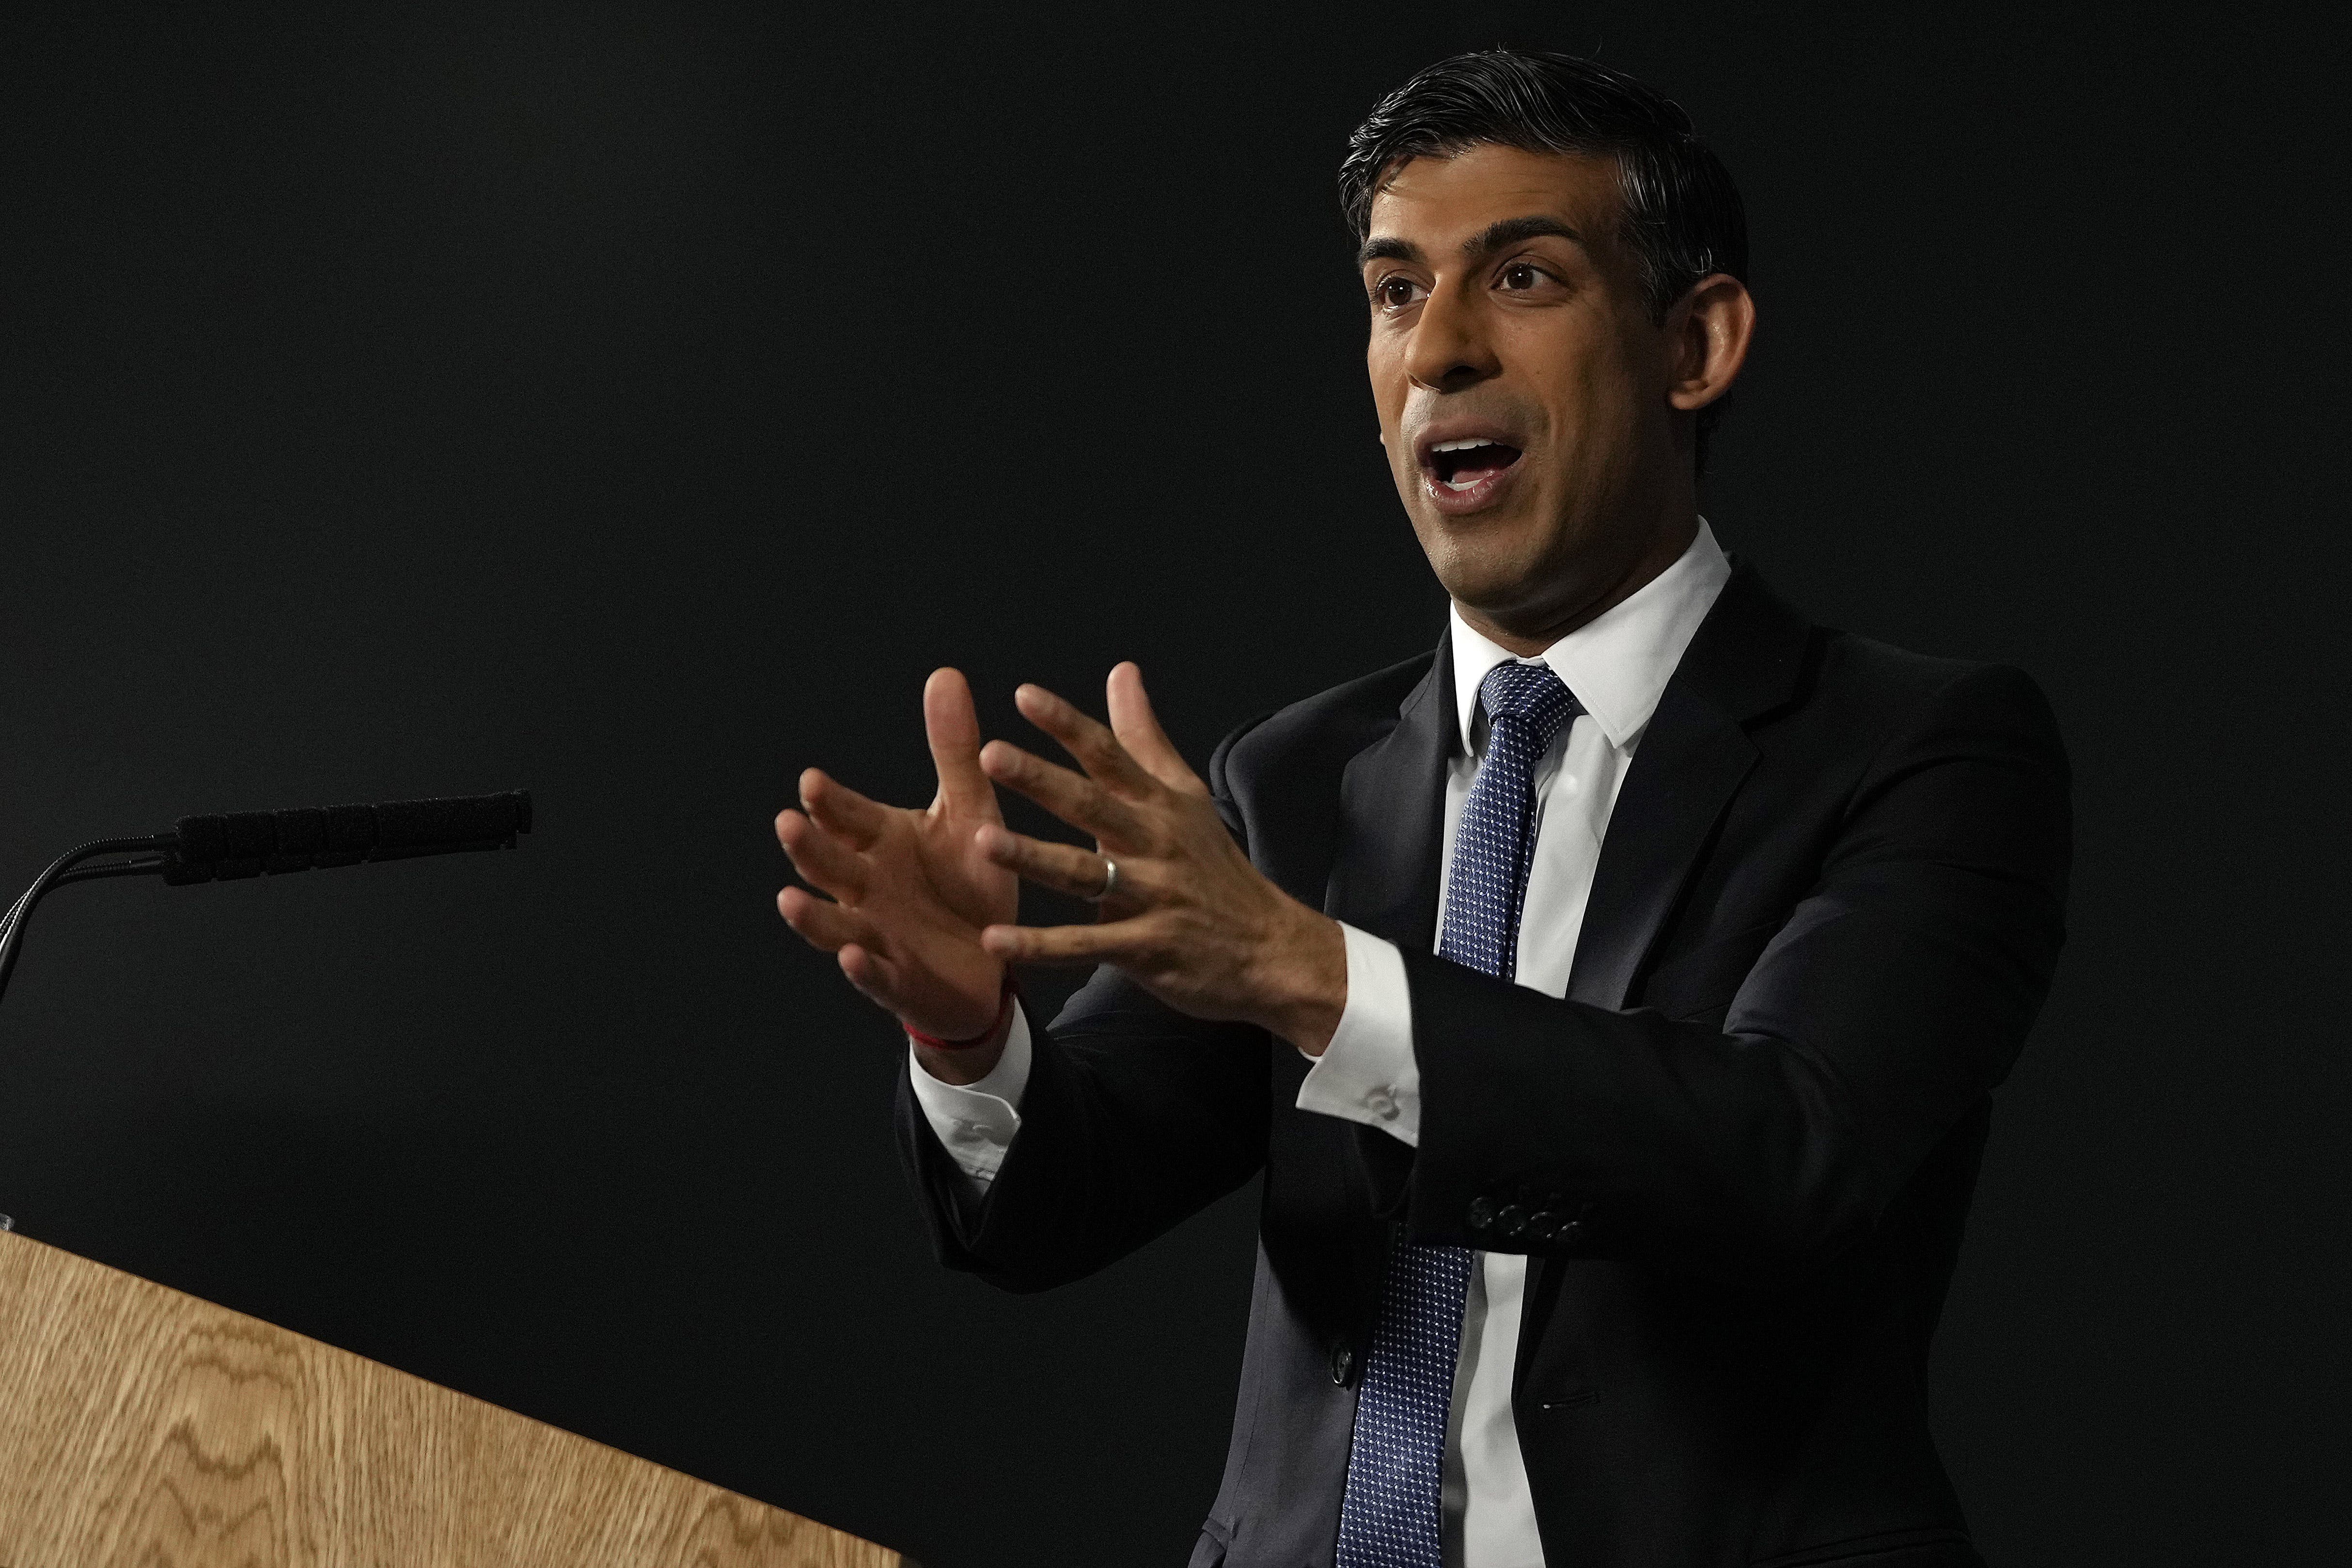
(633, 403)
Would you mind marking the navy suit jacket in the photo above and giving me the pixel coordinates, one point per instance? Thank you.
(1738, 1153)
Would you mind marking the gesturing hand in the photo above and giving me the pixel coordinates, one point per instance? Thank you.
(1189, 920)
(911, 889)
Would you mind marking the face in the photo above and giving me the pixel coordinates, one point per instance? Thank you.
(1527, 399)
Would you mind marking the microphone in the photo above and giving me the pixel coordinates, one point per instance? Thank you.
(255, 843)
(248, 843)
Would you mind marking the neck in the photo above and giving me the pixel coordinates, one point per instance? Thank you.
(1526, 640)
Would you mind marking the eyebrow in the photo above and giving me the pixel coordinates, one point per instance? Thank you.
(1495, 237)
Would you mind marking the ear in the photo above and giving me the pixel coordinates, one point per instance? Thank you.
(1707, 334)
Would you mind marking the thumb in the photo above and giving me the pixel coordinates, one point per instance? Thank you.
(952, 728)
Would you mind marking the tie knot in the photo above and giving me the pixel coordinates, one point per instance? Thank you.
(1532, 694)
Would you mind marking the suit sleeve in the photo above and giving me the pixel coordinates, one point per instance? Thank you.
(1134, 1117)
(1897, 995)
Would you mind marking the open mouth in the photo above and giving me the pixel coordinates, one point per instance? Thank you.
(1463, 466)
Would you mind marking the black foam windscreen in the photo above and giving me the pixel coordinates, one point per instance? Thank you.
(249, 843)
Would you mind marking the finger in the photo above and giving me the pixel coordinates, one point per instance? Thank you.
(841, 810)
(822, 860)
(1060, 944)
(954, 729)
(1073, 797)
(875, 976)
(1065, 868)
(1086, 738)
(1137, 729)
(824, 925)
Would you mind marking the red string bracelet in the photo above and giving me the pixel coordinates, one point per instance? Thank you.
(1004, 1017)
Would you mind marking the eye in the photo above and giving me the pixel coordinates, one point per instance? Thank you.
(1394, 292)
(1521, 276)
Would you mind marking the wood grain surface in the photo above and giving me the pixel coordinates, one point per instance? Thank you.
(142, 1428)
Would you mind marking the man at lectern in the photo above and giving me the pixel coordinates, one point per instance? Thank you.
(1612, 995)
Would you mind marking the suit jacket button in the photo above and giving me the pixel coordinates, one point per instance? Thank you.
(1570, 1233)
(1510, 1222)
(1343, 1361)
(1545, 1226)
(1482, 1212)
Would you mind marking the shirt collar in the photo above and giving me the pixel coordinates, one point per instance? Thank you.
(1618, 662)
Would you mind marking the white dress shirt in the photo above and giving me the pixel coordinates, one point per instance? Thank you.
(1617, 665)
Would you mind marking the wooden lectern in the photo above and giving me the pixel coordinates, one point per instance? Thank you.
(142, 1428)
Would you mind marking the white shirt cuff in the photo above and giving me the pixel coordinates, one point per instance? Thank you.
(975, 1121)
(1367, 1073)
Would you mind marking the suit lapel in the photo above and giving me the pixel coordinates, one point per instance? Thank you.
(1743, 661)
(1384, 880)
(1391, 804)
(1690, 760)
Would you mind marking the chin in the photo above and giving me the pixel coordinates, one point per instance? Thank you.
(1491, 580)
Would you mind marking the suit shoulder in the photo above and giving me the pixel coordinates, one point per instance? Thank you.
(1891, 691)
(1327, 727)
(1864, 667)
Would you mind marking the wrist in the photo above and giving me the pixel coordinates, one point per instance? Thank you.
(968, 1060)
(1309, 983)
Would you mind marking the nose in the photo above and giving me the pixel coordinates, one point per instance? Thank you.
(1451, 350)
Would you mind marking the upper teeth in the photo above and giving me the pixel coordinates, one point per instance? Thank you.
(1462, 445)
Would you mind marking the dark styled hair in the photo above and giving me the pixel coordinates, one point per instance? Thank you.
(1683, 215)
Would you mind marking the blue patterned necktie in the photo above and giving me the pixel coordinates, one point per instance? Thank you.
(1390, 1514)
